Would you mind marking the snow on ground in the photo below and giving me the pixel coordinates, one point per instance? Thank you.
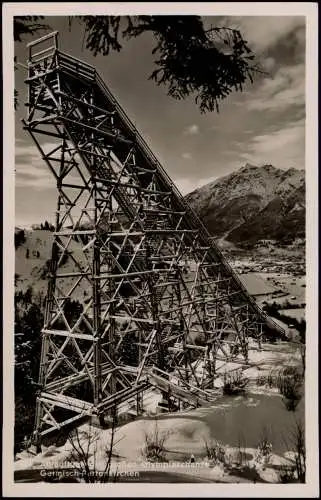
(299, 314)
(261, 361)
(239, 422)
(256, 284)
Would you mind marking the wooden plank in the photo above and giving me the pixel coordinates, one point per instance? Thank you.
(63, 424)
(42, 39)
(67, 402)
(63, 333)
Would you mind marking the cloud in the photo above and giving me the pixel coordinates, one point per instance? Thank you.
(283, 148)
(187, 185)
(192, 130)
(285, 90)
(187, 156)
(268, 64)
(264, 32)
(31, 170)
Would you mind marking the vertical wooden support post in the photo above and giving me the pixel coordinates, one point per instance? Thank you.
(96, 288)
(48, 304)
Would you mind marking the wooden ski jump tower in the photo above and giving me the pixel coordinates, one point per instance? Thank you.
(154, 280)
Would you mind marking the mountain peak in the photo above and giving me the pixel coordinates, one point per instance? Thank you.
(269, 166)
(247, 167)
(252, 203)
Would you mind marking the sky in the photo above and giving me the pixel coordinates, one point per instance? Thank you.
(264, 124)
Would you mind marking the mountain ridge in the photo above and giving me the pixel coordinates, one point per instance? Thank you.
(253, 203)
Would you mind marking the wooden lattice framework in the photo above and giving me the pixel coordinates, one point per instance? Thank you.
(155, 281)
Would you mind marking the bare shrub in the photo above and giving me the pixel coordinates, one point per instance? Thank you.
(266, 380)
(293, 372)
(289, 383)
(270, 379)
(264, 449)
(261, 380)
(154, 449)
(291, 400)
(234, 383)
(241, 465)
(242, 457)
(296, 471)
(215, 452)
(82, 453)
(298, 438)
(287, 475)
